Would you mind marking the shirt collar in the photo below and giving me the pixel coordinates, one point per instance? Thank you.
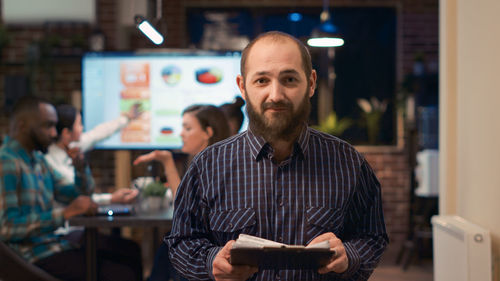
(16, 147)
(259, 147)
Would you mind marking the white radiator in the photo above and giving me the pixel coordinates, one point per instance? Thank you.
(462, 250)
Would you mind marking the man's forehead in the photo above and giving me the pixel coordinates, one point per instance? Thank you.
(289, 54)
(46, 107)
(266, 42)
(47, 111)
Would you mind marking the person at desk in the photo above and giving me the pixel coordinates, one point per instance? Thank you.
(28, 189)
(202, 125)
(66, 157)
(280, 180)
(66, 154)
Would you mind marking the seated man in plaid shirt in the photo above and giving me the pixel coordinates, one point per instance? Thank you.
(28, 189)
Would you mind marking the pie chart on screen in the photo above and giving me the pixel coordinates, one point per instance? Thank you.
(171, 74)
(166, 131)
(208, 75)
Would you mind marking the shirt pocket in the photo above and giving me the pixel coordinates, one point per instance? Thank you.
(323, 219)
(227, 225)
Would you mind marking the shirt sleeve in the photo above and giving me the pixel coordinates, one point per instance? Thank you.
(365, 237)
(102, 131)
(16, 224)
(102, 198)
(191, 250)
(65, 192)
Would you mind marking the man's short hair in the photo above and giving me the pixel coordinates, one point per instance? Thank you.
(278, 36)
(27, 104)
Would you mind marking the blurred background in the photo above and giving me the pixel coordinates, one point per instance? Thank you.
(380, 90)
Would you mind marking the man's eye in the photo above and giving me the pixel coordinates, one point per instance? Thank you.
(290, 80)
(261, 81)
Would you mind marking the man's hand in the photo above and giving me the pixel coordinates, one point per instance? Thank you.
(339, 262)
(159, 155)
(124, 195)
(81, 205)
(223, 270)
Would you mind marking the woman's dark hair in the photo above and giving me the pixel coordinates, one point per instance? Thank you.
(210, 116)
(66, 116)
(233, 110)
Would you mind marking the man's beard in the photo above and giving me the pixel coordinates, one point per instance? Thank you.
(283, 125)
(38, 144)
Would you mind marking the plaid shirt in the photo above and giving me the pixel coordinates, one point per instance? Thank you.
(234, 187)
(28, 188)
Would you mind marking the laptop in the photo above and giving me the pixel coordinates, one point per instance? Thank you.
(115, 210)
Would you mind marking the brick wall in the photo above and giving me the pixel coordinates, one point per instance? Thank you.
(392, 169)
(417, 33)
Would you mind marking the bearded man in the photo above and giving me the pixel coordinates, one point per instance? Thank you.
(29, 189)
(279, 180)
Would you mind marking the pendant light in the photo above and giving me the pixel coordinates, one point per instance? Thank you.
(325, 35)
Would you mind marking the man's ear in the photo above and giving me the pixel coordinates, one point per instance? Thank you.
(240, 81)
(22, 123)
(210, 131)
(312, 83)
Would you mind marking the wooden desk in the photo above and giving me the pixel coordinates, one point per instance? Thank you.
(92, 223)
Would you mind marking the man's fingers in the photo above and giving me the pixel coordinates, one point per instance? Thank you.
(131, 195)
(323, 237)
(237, 272)
(223, 270)
(335, 266)
(338, 262)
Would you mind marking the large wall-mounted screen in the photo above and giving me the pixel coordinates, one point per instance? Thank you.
(164, 84)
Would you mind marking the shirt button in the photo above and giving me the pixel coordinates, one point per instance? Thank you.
(280, 239)
(230, 225)
(281, 202)
(277, 277)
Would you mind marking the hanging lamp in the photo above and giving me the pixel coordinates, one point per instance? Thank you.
(325, 35)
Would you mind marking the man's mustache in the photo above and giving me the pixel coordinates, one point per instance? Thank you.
(277, 105)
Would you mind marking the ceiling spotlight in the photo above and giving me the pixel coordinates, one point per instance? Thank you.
(148, 30)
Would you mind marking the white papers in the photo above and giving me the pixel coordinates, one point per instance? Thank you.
(249, 241)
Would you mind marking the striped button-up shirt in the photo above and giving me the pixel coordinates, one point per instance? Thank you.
(28, 188)
(235, 187)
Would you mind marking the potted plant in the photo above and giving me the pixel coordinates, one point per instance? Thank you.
(333, 125)
(373, 110)
(153, 194)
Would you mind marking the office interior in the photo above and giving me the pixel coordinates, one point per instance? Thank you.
(427, 67)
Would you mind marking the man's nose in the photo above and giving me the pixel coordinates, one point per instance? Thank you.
(276, 91)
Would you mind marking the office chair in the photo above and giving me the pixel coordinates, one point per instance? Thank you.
(14, 268)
